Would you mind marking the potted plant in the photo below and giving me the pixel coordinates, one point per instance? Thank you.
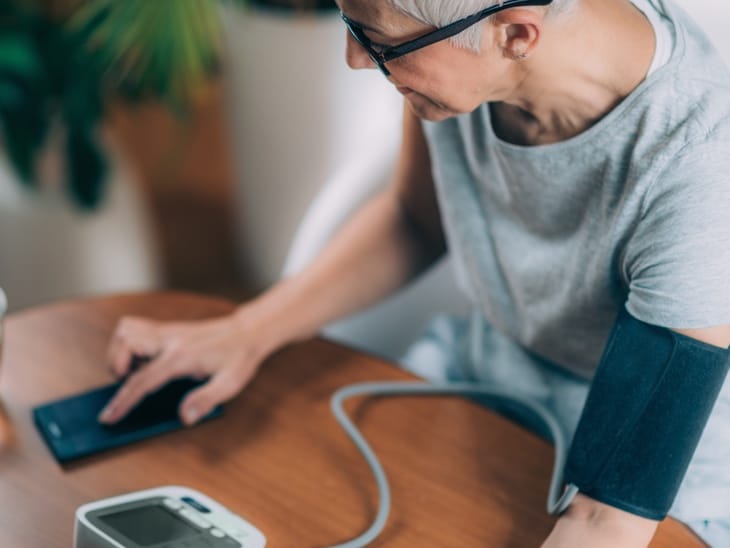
(62, 63)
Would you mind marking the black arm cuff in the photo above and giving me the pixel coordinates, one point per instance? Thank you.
(648, 405)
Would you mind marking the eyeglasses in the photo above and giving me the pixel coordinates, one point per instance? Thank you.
(383, 54)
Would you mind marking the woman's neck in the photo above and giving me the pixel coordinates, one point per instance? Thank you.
(602, 52)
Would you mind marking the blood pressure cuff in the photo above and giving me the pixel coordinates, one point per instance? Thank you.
(647, 407)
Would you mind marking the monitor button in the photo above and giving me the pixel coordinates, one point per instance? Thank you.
(172, 503)
(194, 518)
(195, 504)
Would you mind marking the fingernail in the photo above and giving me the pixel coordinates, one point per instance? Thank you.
(106, 414)
(190, 416)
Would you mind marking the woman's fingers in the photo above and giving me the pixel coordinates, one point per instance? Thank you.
(218, 349)
(145, 381)
(132, 338)
(221, 387)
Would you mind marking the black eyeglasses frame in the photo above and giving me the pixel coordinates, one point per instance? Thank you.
(389, 53)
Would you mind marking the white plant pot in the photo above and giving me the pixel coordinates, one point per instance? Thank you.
(299, 116)
(50, 250)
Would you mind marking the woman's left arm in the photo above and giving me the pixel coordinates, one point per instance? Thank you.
(592, 523)
(589, 522)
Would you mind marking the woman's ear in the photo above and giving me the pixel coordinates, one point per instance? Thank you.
(518, 31)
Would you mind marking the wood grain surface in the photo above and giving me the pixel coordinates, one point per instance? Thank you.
(461, 476)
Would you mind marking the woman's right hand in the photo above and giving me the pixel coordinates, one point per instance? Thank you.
(227, 351)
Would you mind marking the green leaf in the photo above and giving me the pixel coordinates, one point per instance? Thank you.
(161, 48)
(17, 54)
(87, 169)
(10, 95)
(25, 131)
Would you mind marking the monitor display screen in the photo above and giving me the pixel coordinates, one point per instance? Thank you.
(149, 525)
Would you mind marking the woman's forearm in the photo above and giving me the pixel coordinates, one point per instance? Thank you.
(591, 523)
(376, 253)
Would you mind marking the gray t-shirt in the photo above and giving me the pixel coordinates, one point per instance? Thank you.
(550, 241)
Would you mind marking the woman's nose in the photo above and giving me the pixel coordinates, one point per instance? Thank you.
(356, 56)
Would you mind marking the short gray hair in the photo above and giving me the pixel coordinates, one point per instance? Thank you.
(439, 13)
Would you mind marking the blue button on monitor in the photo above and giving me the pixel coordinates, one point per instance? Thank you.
(195, 504)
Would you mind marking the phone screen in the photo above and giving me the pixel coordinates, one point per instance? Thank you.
(71, 429)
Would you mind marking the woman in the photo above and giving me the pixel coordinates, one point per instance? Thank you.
(572, 156)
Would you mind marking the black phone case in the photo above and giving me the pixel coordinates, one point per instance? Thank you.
(71, 430)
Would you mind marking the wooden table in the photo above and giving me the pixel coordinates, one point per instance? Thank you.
(461, 476)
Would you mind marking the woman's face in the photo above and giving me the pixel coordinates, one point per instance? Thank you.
(439, 81)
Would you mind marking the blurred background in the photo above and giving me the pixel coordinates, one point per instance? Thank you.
(203, 145)
(119, 122)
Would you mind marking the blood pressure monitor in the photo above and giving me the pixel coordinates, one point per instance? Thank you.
(164, 517)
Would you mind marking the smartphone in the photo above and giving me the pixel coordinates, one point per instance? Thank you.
(71, 429)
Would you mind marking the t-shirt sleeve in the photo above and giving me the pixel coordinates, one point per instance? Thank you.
(677, 261)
